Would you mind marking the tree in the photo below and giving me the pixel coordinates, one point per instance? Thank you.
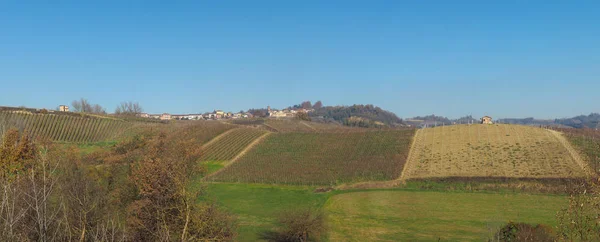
(129, 109)
(303, 116)
(306, 105)
(166, 208)
(317, 105)
(579, 220)
(84, 106)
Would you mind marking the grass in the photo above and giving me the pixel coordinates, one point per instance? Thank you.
(258, 206)
(498, 150)
(322, 158)
(429, 216)
(212, 166)
(406, 214)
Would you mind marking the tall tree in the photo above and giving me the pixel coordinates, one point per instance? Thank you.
(84, 106)
(129, 108)
(317, 105)
(306, 105)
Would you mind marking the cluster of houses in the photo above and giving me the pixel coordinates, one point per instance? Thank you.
(217, 114)
(286, 113)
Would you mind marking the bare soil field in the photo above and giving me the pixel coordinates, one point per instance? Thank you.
(498, 150)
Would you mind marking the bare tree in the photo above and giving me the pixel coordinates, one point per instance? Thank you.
(129, 108)
(84, 106)
(42, 179)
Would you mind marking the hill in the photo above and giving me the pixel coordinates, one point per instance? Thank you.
(358, 115)
(286, 125)
(499, 150)
(322, 158)
(228, 145)
(63, 127)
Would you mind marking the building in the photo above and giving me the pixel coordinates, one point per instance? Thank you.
(486, 120)
(144, 115)
(63, 108)
(165, 116)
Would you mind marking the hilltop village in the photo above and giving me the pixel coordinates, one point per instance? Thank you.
(220, 114)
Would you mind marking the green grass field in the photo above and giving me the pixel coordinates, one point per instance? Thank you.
(386, 215)
(429, 216)
(258, 206)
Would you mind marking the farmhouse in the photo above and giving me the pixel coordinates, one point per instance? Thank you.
(165, 116)
(486, 120)
(63, 108)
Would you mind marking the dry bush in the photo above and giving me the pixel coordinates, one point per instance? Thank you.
(522, 232)
(165, 208)
(579, 220)
(298, 226)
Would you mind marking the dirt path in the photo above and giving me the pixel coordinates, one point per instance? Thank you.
(242, 153)
(409, 157)
(215, 139)
(308, 125)
(572, 151)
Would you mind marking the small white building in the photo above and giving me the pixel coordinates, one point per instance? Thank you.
(63, 108)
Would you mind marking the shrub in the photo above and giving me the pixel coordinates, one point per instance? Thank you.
(297, 226)
(524, 232)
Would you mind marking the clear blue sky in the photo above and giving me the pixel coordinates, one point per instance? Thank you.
(451, 58)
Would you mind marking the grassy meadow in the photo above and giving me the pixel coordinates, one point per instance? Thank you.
(386, 215)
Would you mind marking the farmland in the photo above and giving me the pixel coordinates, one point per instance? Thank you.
(432, 216)
(587, 142)
(386, 215)
(65, 128)
(231, 144)
(491, 151)
(322, 158)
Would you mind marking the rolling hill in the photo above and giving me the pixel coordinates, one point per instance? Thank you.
(322, 158)
(499, 150)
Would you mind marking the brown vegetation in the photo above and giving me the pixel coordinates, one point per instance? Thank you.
(498, 150)
(137, 191)
(297, 226)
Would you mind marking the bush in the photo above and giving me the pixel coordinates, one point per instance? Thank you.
(524, 232)
(297, 226)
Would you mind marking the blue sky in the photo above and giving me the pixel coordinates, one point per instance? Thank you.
(451, 58)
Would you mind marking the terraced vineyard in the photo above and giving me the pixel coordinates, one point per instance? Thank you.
(322, 158)
(64, 128)
(230, 144)
(295, 125)
(498, 150)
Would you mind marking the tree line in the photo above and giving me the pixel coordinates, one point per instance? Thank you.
(127, 108)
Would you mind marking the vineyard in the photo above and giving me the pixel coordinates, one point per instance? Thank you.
(322, 158)
(294, 125)
(64, 128)
(230, 144)
(492, 151)
(587, 141)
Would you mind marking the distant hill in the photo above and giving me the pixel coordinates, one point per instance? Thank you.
(582, 121)
(358, 115)
(433, 120)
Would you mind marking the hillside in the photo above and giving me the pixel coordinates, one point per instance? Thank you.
(498, 150)
(358, 115)
(322, 158)
(228, 145)
(64, 128)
